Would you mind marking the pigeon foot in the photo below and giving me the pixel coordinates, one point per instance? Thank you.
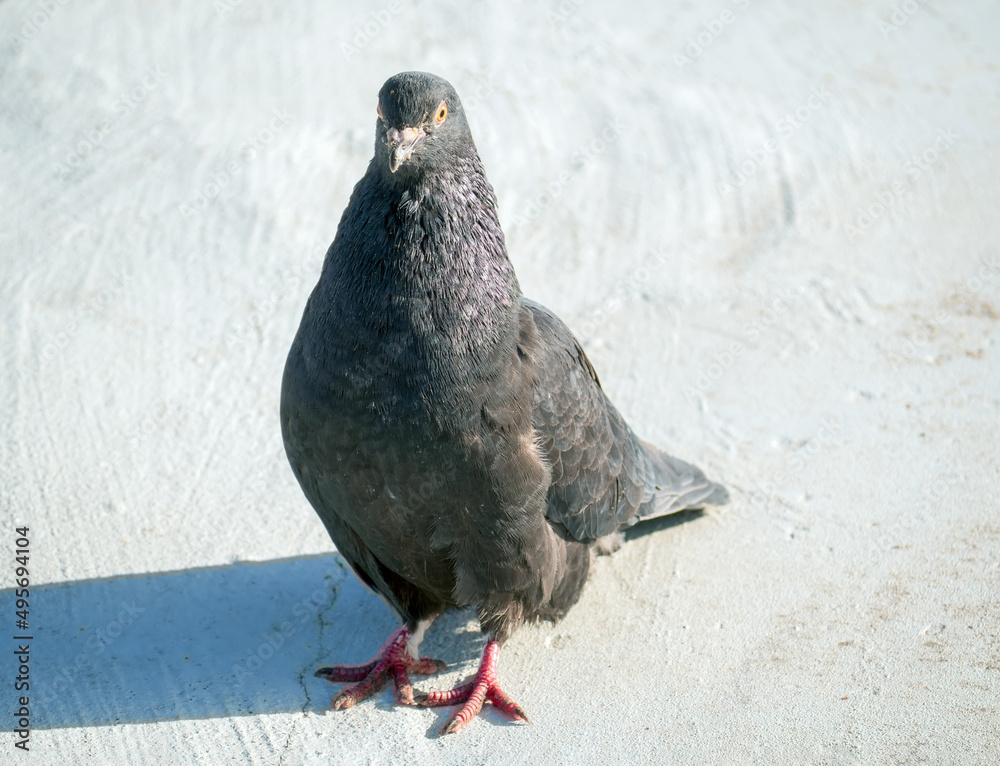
(483, 686)
(392, 661)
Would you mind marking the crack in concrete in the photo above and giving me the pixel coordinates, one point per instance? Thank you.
(333, 581)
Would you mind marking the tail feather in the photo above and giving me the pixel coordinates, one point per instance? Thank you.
(678, 486)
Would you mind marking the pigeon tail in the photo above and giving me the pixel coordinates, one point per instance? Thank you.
(679, 486)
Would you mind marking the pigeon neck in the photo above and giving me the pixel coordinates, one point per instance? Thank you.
(417, 289)
(452, 274)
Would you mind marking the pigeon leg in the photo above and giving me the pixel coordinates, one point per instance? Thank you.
(393, 662)
(483, 686)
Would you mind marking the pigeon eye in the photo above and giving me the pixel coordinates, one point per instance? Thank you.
(442, 112)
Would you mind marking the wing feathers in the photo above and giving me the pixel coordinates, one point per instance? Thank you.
(604, 478)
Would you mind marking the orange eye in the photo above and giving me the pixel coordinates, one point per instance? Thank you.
(442, 112)
(378, 111)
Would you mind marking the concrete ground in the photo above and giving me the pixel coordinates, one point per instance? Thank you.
(774, 227)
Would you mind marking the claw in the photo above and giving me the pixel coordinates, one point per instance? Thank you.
(340, 673)
(483, 687)
(392, 661)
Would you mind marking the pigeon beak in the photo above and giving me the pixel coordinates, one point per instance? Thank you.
(401, 145)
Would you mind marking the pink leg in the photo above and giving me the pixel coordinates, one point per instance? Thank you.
(393, 662)
(484, 686)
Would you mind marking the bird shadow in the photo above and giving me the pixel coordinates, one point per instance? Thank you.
(652, 526)
(213, 642)
(225, 641)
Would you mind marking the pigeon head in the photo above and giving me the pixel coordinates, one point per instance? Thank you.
(421, 123)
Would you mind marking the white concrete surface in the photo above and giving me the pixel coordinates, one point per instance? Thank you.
(783, 257)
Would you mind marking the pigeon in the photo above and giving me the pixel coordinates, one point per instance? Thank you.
(450, 433)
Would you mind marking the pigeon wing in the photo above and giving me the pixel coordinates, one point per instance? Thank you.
(604, 478)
